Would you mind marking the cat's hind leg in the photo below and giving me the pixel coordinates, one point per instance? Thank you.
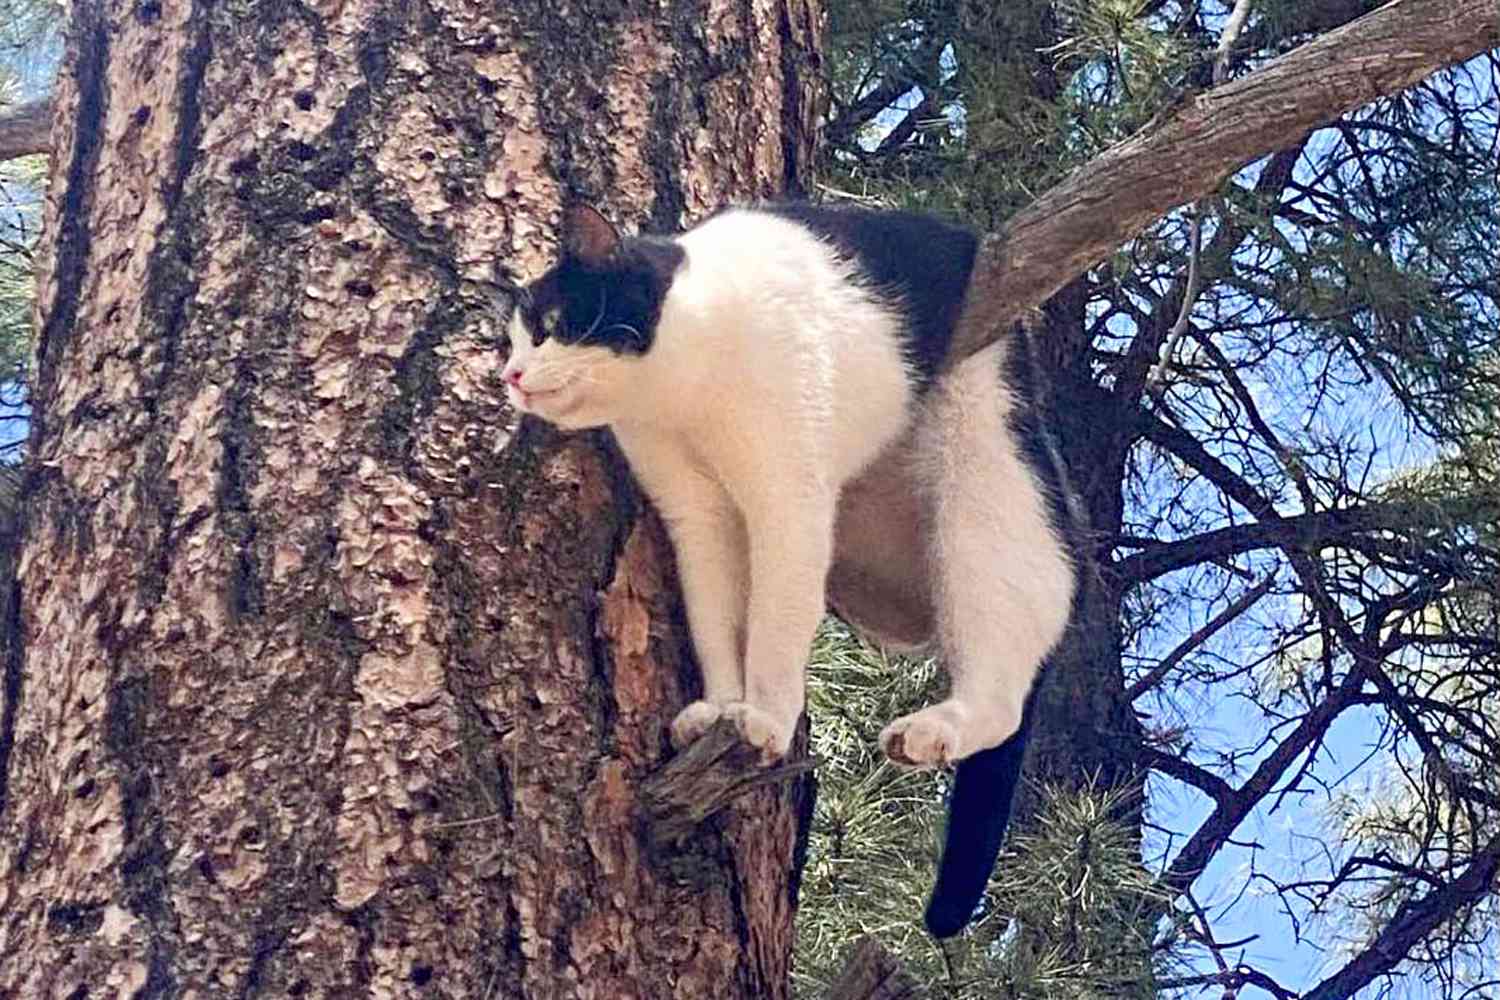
(1001, 578)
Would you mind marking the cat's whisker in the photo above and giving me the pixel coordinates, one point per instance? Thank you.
(595, 324)
(625, 326)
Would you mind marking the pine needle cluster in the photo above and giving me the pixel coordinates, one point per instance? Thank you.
(1064, 914)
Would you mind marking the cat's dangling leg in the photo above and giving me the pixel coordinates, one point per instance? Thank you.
(708, 539)
(791, 545)
(1001, 578)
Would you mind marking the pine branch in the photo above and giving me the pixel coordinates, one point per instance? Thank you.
(1413, 921)
(1300, 532)
(1206, 137)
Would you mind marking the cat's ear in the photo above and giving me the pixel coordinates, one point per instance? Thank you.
(587, 236)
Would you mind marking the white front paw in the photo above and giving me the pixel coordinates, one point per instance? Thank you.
(693, 721)
(760, 729)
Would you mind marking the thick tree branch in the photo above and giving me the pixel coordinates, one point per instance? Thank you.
(25, 130)
(1206, 138)
(1299, 532)
(1413, 921)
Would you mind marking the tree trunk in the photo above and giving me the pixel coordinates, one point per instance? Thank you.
(325, 680)
(1085, 733)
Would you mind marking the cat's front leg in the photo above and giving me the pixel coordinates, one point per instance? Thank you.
(791, 544)
(708, 540)
(710, 548)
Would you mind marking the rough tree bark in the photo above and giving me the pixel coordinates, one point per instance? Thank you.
(323, 680)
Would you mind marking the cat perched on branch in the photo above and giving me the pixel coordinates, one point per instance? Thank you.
(779, 380)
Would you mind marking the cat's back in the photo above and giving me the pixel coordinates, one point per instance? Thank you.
(918, 263)
(816, 333)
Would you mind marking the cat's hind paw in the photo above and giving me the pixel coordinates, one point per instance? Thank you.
(929, 738)
(693, 721)
(760, 729)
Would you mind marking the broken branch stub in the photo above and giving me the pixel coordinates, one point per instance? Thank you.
(704, 778)
(873, 973)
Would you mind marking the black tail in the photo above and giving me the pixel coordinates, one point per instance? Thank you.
(978, 812)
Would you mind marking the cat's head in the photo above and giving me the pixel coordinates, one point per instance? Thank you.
(580, 331)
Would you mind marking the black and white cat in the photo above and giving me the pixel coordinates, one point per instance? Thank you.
(775, 377)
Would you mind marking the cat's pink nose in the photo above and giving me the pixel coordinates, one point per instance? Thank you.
(514, 377)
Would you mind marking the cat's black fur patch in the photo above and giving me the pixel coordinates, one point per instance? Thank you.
(923, 263)
(614, 304)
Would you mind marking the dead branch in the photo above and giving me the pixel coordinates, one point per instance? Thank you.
(26, 130)
(1191, 149)
(704, 778)
(874, 974)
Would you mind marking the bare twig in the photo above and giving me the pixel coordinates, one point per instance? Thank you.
(1206, 936)
(1158, 376)
(1230, 36)
(1236, 608)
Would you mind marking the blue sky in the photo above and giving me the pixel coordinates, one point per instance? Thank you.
(1292, 835)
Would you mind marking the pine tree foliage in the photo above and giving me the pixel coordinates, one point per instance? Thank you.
(874, 846)
(875, 827)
